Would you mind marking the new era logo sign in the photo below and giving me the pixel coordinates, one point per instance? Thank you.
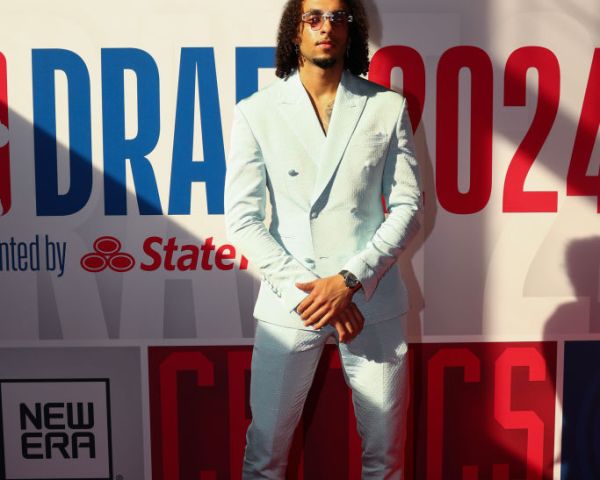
(55, 429)
(5, 198)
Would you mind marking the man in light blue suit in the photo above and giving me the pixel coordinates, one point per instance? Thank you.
(324, 146)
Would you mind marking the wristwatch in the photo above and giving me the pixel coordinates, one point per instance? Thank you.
(350, 279)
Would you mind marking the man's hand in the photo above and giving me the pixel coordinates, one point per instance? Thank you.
(349, 323)
(327, 298)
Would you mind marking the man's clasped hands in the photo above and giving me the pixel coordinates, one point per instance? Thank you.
(329, 301)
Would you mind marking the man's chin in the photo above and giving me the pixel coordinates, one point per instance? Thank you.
(325, 62)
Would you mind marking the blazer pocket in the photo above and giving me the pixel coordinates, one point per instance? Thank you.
(369, 154)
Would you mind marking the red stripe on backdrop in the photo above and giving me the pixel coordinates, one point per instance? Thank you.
(5, 196)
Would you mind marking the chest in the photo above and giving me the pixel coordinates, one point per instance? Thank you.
(324, 110)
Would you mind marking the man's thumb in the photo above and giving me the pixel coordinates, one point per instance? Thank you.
(305, 286)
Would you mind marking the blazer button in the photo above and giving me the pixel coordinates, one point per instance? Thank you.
(309, 260)
(292, 173)
(313, 215)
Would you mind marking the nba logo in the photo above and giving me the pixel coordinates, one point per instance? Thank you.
(4, 155)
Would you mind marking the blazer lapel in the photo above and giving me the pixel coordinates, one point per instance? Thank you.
(347, 110)
(297, 111)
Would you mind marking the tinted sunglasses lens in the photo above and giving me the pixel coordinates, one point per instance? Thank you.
(315, 21)
(339, 18)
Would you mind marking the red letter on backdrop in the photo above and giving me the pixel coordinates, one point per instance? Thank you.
(413, 76)
(521, 419)
(578, 182)
(173, 364)
(516, 199)
(443, 359)
(479, 64)
(238, 365)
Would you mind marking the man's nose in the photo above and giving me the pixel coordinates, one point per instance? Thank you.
(327, 25)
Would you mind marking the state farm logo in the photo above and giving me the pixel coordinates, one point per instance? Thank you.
(168, 254)
(107, 253)
(5, 197)
(55, 429)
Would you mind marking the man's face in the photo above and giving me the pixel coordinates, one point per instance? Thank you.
(326, 45)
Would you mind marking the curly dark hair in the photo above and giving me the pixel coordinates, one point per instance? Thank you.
(357, 59)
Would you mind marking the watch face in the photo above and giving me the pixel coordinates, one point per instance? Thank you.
(351, 280)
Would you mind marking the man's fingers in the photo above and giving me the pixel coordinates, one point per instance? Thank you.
(311, 308)
(341, 330)
(301, 306)
(317, 316)
(356, 320)
(348, 322)
(343, 318)
(359, 319)
(306, 287)
(304, 304)
(346, 317)
(324, 320)
(357, 315)
(343, 324)
(353, 327)
(352, 330)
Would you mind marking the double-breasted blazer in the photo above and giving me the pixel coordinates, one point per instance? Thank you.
(325, 193)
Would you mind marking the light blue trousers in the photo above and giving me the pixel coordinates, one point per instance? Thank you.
(283, 365)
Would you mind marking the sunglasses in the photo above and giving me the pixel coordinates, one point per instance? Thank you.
(316, 19)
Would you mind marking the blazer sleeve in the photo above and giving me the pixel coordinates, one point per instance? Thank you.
(402, 195)
(245, 202)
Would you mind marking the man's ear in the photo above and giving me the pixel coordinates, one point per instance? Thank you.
(297, 42)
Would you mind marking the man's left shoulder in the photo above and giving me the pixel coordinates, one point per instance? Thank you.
(374, 91)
